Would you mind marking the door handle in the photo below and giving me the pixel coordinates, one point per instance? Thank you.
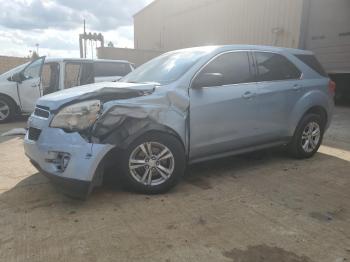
(34, 85)
(248, 95)
(296, 87)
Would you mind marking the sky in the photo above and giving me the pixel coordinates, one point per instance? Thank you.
(56, 24)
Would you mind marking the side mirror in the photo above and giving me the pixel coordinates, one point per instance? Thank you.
(208, 79)
(16, 77)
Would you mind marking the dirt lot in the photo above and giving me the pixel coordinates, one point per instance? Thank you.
(259, 207)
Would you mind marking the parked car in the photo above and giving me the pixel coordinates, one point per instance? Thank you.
(182, 107)
(22, 86)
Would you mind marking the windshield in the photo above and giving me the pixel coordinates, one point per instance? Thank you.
(166, 68)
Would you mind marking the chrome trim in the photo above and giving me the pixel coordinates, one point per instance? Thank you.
(249, 51)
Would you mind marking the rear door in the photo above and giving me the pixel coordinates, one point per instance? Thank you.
(223, 117)
(279, 86)
(29, 90)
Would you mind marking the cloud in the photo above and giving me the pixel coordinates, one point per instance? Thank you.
(56, 24)
(102, 15)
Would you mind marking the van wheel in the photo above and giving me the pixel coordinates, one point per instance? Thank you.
(7, 109)
(153, 163)
(308, 137)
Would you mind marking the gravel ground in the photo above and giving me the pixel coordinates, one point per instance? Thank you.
(258, 207)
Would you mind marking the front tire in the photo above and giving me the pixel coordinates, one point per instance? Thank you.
(308, 137)
(153, 163)
(7, 109)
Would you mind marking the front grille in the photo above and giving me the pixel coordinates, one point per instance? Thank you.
(42, 111)
(33, 133)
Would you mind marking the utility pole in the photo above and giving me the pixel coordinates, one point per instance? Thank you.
(91, 37)
(84, 40)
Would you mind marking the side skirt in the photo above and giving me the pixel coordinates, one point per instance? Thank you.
(237, 152)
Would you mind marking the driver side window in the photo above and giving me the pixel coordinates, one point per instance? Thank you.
(234, 68)
(33, 70)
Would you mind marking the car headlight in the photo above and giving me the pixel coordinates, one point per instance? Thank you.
(77, 116)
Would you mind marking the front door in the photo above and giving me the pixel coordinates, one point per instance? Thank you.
(223, 116)
(29, 90)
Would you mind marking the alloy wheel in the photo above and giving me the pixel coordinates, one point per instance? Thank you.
(151, 163)
(4, 110)
(311, 137)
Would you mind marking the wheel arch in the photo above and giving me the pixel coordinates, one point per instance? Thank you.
(109, 159)
(154, 128)
(12, 100)
(16, 105)
(318, 110)
(315, 109)
(135, 129)
(314, 101)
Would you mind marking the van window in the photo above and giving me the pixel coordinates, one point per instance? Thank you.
(72, 75)
(33, 70)
(111, 69)
(312, 62)
(50, 78)
(272, 67)
(233, 66)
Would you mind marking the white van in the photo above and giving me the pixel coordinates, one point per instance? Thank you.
(23, 85)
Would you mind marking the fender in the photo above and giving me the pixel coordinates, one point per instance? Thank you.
(121, 130)
(10, 90)
(314, 98)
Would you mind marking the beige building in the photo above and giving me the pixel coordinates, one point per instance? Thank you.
(135, 56)
(320, 25)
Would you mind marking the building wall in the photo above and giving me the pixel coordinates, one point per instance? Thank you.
(327, 30)
(135, 56)
(168, 24)
(9, 62)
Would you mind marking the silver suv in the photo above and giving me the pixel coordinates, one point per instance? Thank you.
(182, 107)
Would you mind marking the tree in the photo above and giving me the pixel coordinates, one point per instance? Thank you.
(34, 56)
(110, 44)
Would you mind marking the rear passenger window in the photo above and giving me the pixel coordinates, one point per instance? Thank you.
(72, 75)
(233, 66)
(272, 67)
(111, 69)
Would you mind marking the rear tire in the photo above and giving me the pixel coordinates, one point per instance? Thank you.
(153, 163)
(7, 109)
(308, 137)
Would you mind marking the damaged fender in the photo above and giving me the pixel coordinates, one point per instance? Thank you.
(124, 120)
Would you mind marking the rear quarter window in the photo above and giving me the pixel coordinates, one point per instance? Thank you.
(111, 69)
(275, 67)
(311, 61)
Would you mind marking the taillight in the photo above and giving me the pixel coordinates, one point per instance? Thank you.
(332, 86)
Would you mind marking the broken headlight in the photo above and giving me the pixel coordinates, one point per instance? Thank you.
(77, 117)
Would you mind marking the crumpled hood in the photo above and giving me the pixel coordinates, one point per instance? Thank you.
(104, 91)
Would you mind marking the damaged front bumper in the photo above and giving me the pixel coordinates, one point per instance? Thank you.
(66, 158)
